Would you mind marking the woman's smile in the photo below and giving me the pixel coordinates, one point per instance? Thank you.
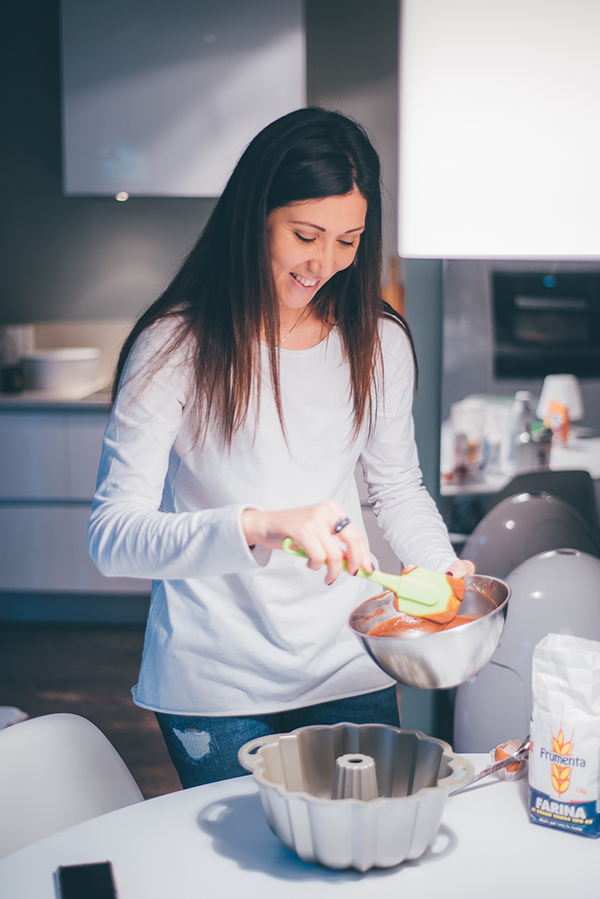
(303, 281)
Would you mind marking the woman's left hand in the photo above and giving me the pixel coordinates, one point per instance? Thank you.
(460, 568)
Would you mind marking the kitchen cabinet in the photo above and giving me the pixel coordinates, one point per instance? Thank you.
(49, 457)
(160, 99)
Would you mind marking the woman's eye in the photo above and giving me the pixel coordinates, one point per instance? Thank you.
(305, 239)
(345, 243)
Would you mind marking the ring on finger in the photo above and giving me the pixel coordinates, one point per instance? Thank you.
(340, 524)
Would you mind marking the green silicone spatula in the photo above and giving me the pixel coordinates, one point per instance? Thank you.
(420, 592)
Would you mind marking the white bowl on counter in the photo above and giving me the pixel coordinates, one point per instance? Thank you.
(64, 370)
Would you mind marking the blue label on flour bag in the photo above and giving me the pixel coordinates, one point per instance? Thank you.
(578, 817)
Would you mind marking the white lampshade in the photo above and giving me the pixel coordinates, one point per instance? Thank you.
(563, 389)
(499, 141)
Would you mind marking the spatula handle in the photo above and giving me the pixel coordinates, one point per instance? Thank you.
(377, 576)
(288, 543)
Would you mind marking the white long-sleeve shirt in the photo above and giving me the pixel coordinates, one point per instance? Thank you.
(231, 631)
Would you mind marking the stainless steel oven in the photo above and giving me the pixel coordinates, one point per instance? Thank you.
(546, 324)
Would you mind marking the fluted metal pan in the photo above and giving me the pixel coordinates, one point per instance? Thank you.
(298, 775)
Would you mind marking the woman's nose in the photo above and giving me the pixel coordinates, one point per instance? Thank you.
(323, 262)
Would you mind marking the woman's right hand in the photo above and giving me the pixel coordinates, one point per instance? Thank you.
(312, 529)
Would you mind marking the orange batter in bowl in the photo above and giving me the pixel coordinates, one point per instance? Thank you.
(404, 625)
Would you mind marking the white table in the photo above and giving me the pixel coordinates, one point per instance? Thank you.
(580, 454)
(213, 841)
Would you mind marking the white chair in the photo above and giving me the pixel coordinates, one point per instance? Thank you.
(57, 771)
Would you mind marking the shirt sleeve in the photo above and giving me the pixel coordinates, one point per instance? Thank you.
(128, 534)
(405, 512)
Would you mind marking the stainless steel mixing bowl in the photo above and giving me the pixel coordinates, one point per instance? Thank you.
(442, 659)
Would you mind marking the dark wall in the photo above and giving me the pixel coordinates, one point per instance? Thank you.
(352, 65)
(90, 258)
(68, 257)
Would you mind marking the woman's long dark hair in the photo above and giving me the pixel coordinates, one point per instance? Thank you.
(224, 292)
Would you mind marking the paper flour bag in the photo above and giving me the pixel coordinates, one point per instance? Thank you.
(565, 734)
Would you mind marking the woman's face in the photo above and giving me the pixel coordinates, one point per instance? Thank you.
(312, 240)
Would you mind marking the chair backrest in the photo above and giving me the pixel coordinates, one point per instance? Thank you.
(573, 487)
(57, 771)
(522, 526)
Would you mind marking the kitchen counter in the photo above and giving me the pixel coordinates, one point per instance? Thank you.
(50, 447)
(578, 454)
(47, 399)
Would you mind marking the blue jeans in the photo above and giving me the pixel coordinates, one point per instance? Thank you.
(204, 750)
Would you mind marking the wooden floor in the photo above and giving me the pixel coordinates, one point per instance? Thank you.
(87, 670)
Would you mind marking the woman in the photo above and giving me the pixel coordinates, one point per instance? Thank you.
(244, 398)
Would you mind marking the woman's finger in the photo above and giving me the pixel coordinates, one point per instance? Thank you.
(320, 543)
(322, 549)
(356, 551)
(460, 568)
(334, 562)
